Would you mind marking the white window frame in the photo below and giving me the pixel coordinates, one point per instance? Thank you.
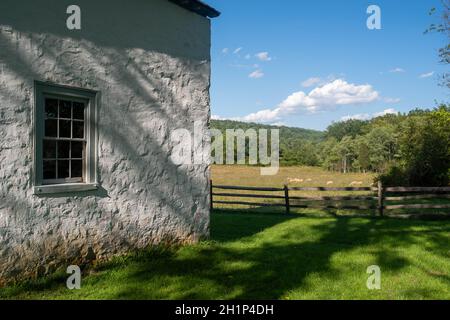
(90, 183)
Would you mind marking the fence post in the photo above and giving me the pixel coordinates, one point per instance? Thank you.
(211, 205)
(380, 198)
(286, 198)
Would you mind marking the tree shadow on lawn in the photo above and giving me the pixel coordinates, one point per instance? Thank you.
(247, 264)
(258, 257)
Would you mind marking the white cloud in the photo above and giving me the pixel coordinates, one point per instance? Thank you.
(263, 56)
(327, 97)
(262, 116)
(225, 50)
(397, 70)
(366, 116)
(311, 82)
(392, 100)
(385, 112)
(278, 124)
(361, 116)
(237, 50)
(316, 81)
(256, 74)
(426, 75)
(340, 92)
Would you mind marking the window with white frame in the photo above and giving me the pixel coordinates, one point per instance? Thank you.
(65, 139)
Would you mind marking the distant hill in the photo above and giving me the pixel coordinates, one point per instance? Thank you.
(297, 145)
(286, 133)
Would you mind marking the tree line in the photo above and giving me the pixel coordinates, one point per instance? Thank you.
(410, 149)
(405, 149)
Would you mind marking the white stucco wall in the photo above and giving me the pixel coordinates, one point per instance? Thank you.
(150, 59)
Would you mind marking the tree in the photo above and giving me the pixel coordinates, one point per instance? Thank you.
(425, 148)
(345, 149)
(350, 128)
(362, 150)
(443, 27)
(329, 156)
(383, 145)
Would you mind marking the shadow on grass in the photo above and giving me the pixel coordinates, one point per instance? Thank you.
(261, 256)
(231, 225)
(277, 263)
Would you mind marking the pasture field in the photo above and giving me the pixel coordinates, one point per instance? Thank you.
(267, 256)
(293, 177)
(310, 177)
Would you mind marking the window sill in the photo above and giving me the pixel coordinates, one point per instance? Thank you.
(65, 188)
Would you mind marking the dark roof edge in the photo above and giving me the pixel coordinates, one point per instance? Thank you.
(198, 7)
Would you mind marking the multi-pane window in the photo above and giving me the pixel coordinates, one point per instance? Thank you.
(65, 139)
(64, 143)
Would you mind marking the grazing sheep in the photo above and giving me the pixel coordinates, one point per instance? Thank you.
(330, 182)
(291, 180)
(356, 183)
(308, 180)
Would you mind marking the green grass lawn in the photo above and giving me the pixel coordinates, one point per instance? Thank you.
(258, 256)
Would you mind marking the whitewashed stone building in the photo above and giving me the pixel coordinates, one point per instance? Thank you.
(85, 120)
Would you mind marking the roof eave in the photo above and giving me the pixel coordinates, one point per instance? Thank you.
(198, 7)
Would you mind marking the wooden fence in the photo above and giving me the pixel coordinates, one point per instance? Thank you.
(377, 201)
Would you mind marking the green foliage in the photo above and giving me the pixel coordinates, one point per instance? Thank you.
(425, 148)
(443, 27)
(395, 176)
(350, 127)
(412, 149)
(287, 133)
(297, 146)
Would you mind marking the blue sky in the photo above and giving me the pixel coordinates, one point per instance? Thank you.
(352, 71)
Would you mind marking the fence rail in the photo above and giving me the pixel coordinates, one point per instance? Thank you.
(376, 201)
(332, 189)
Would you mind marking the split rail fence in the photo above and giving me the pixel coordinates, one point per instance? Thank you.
(381, 200)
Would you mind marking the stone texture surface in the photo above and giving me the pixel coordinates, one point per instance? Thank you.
(151, 62)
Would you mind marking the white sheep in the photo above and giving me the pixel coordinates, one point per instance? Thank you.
(291, 180)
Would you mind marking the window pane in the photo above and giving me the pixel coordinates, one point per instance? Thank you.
(63, 149)
(78, 129)
(63, 169)
(77, 169)
(51, 128)
(65, 109)
(49, 170)
(78, 110)
(77, 149)
(49, 149)
(64, 128)
(51, 108)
